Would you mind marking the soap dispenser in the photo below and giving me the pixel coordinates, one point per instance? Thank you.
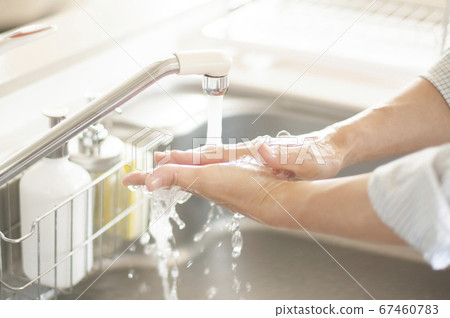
(98, 151)
(44, 186)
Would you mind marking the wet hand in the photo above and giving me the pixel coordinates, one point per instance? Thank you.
(253, 190)
(307, 157)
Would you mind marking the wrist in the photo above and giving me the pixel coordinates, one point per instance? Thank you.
(287, 205)
(338, 138)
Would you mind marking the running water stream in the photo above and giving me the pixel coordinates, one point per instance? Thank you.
(214, 129)
(162, 209)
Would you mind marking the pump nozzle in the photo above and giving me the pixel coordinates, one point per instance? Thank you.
(56, 115)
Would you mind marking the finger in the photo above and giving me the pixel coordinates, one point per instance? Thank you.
(135, 178)
(230, 186)
(184, 176)
(279, 157)
(208, 155)
(168, 157)
(235, 187)
(165, 176)
(217, 182)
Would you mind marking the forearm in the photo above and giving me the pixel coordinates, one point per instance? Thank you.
(417, 118)
(339, 207)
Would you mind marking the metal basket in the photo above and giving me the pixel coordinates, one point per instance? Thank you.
(114, 227)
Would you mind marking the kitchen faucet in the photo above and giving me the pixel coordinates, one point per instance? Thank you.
(214, 65)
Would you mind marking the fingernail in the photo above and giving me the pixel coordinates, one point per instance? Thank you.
(156, 183)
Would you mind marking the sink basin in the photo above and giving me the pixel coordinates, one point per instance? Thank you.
(274, 264)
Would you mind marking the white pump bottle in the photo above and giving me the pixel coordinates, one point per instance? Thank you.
(43, 186)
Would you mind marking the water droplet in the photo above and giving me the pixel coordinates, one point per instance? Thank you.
(207, 226)
(248, 287)
(211, 292)
(219, 211)
(233, 267)
(143, 288)
(132, 188)
(148, 249)
(132, 248)
(236, 285)
(178, 221)
(233, 225)
(219, 244)
(174, 272)
(198, 237)
(236, 243)
(131, 274)
(183, 196)
(145, 238)
(189, 263)
(135, 188)
(206, 271)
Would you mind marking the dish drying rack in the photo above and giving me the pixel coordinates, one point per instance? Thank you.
(398, 33)
(109, 237)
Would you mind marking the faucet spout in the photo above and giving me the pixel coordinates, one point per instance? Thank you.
(215, 65)
(212, 63)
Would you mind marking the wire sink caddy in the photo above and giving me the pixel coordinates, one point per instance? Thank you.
(114, 224)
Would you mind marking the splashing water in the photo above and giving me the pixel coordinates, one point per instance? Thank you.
(236, 284)
(207, 226)
(236, 236)
(135, 188)
(236, 245)
(162, 210)
(236, 241)
(211, 292)
(248, 287)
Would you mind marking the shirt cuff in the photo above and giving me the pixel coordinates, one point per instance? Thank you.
(412, 196)
(439, 76)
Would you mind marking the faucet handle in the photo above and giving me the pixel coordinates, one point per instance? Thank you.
(24, 35)
(213, 63)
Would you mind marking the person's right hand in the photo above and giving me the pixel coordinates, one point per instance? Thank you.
(311, 156)
(252, 190)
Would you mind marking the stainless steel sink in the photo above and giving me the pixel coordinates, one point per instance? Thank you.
(274, 264)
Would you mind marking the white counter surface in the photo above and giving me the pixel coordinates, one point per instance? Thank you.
(91, 52)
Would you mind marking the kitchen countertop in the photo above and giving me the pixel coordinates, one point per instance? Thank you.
(91, 57)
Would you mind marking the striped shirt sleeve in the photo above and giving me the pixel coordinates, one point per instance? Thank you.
(439, 76)
(412, 194)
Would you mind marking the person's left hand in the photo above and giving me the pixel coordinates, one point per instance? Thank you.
(250, 189)
(313, 156)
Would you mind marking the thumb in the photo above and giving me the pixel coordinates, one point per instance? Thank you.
(279, 157)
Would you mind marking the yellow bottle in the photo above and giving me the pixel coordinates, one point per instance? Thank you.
(98, 152)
